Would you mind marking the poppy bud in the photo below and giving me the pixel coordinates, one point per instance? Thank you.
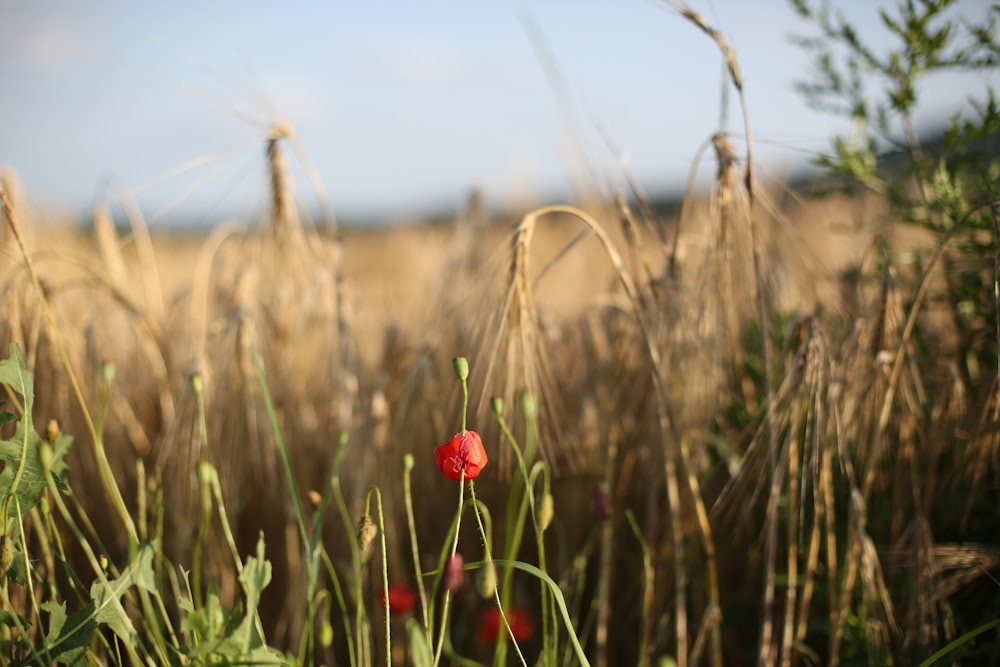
(464, 452)
(454, 573)
(6, 553)
(45, 454)
(529, 407)
(52, 431)
(461, 366)
(546, 510)
(196, 383)
(487, 580)
(367, 531)
(407, 461)
(496, 404)
(601, 508)
(107, 372)
(205, 473)
(326, 634)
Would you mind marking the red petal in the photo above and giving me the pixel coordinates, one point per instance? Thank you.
(464, 451)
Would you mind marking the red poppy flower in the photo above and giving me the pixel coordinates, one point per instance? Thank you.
(401, 598)
(463, 452)
(491, 625)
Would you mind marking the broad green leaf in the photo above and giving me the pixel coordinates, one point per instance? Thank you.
(142, 568)
(68, 637)
(107, 595)
(14, 374)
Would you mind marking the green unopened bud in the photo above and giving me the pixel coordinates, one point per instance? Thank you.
(102, 560)
(529, 408)
(367, 532)
(546, 510)
(206, 473)
(408, 462)
(197, 384)
(108, 373)
(326, 634)
(486, 582)
(497, 405)
(45, 455)
(461, 366)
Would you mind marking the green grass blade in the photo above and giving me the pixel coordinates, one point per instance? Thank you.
(960, 641)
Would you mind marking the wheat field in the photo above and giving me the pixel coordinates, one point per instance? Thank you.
(758, 428)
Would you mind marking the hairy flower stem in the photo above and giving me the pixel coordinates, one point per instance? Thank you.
(446, 601)
(411, 525)
(374, 491)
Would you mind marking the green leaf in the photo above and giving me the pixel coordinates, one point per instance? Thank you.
(17, 572)
(14, 374)
(960, 641)
(21, 451)
(68, 637)
(107, 595)
(209, 622)
(10, 619)
(255, 577)
(557, 596)
(418, 644)
(244, 645)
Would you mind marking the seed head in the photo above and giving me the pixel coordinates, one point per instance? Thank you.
(367, 532)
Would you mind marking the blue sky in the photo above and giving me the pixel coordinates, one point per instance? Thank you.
(401, 106)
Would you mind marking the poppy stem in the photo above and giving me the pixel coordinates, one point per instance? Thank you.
(465, 403)
(408, 464)
(461, 368)
(374, 491)
(446, 602)
(489, 559)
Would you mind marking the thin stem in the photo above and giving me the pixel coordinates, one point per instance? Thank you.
(446, 602)
(412, 527)
(489, 558)
(465, 403)
(374, 490)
